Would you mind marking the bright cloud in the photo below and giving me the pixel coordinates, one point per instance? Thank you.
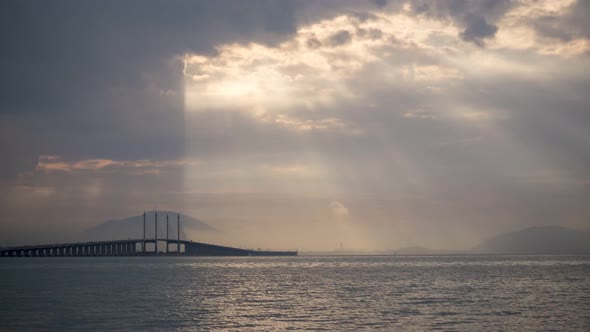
(338, 209)
(314, 69)
(323, 65)
(52, 163)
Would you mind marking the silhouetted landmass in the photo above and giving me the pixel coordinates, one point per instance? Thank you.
(538, 240)
(533, 240)
(131, 228)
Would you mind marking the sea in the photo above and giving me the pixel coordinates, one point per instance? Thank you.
(317, 293)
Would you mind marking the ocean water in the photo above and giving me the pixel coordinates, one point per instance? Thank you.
(389, 293)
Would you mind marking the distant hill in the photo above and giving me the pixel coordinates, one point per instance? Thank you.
(538, 240)
(132, 227)
(533, 240)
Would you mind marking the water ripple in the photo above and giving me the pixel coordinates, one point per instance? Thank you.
(462, 293)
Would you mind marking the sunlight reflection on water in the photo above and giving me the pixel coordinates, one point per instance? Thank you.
(264, 293)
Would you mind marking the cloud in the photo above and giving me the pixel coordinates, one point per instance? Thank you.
(475, 17)
(563, 20)
(338, 209)
(339, 38)
(549, 27)
(284, 84)
(478, 29)
(51, 163)
(117, 64)
(288, 122)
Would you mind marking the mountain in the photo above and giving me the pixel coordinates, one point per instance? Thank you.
(132, 227)
(538, 240)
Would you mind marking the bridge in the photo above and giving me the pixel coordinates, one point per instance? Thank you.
(136, 247)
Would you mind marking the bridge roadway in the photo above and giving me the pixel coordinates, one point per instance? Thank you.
(134, 247)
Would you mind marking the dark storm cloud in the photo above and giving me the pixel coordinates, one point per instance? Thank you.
(476, 17)
(340, 38)
(86, 45)
(101, 78)
(477, 29)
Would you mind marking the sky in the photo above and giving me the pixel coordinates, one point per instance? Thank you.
(296, 124)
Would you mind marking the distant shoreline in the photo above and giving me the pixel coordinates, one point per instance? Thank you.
(308, 253)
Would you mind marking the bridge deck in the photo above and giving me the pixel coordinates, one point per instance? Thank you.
(133, 247)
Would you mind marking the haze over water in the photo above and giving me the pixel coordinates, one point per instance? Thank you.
(352, 293)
